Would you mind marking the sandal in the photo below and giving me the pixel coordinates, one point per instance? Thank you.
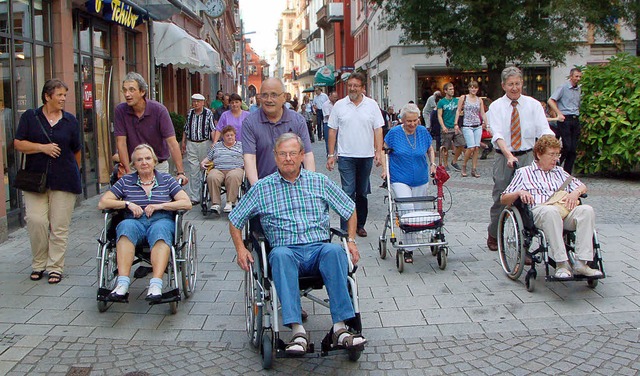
(408, 257)
(54, 277)
(563, 273)
(347, 341)
(297, 348)
(474, 173)
(464, 172)
(36, 275)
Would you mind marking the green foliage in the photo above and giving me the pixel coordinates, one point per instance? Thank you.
(178, 124)
(498, 32)
(610, 116)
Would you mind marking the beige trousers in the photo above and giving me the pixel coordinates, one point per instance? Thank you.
(48, 216)
(232, 180)
(581, 220)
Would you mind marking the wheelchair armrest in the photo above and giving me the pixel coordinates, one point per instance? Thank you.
(339, 232)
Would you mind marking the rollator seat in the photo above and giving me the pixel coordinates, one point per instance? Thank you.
(419, 221)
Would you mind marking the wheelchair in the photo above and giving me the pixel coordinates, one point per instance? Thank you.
(262, 306)
(517, 240)
(182, 270)
(205, 195)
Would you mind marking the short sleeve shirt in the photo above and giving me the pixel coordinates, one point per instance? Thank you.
(408, 161)
(449, 108)
(568, 98)
(356, 125)
(128, 188)
(227, 118)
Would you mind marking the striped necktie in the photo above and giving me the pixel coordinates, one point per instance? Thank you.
(516, 136)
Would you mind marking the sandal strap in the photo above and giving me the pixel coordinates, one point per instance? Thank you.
(347, 341)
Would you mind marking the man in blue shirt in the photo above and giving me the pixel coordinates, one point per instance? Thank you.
(293, 206)
(565, 102)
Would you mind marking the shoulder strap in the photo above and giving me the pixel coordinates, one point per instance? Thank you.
(42, 127)
(565, 184)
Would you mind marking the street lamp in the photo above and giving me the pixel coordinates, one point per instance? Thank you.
(243, 56)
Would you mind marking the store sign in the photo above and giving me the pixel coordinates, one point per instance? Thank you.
(87, 96)
(116, 11)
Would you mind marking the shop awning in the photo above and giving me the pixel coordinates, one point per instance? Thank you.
(308, 90)
(172, 45)
(324, 76)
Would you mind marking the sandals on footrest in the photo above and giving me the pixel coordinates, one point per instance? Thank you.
(291, 349)
(347, 341)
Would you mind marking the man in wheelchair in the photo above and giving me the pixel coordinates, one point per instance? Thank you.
(148, 198)
(293, 207)
(534, 185)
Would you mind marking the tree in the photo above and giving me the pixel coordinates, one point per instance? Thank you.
(500, 32)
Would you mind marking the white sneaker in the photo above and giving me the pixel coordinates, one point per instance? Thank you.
(215, 208)
(228, 207)
(154, 292)
(120, 290)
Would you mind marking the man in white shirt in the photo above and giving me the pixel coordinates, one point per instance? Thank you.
(317, 102)
(326, 111)
(359, 122)
(516, 121)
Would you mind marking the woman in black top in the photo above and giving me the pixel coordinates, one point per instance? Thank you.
(50, 139)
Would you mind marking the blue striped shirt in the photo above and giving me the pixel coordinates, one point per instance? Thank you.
(293, 213)
(128, 188)
(542, 185)
(226, 158)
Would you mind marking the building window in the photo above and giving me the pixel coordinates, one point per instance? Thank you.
(130, 50)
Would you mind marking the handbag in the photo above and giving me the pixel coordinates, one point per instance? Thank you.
(32, 181)
(557, 199)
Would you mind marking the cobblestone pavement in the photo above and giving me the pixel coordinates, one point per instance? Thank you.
(467, 319)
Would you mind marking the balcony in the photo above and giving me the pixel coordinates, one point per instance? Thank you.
(301, 41)
(332, 12)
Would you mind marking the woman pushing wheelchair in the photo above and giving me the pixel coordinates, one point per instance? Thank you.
(554, 197)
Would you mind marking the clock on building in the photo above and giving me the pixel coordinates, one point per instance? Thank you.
(215, 8)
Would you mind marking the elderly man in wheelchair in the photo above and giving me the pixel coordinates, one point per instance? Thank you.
(535, 185)
(293, 207)
(149, 198)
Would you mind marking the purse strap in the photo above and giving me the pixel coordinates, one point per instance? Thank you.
(23, 159)
(565, 184)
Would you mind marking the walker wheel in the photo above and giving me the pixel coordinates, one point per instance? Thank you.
(400, 261)
(382, 247)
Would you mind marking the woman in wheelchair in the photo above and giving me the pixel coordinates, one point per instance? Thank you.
(534, 185)
(148, 197)
(293, 207)
(226, 163)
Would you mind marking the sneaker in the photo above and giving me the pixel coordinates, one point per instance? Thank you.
(119, 294)
(154, 293)
(455, 166)
(228, 207)
(215, 208)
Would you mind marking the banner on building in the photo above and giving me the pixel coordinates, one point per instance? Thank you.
(325, 76)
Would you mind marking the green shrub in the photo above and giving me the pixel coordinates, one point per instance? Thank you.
(610, 116)
(178, 124)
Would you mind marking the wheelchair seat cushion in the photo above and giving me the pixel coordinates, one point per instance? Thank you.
(151, 230)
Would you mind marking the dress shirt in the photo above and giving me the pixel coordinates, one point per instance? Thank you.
(542, 185)
(533, 122)
(567, 98)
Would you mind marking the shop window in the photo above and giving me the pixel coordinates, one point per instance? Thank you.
(130, 51)
(42, 24)
(4, 17)
(22, 18)
(84, 35)
(101, 41)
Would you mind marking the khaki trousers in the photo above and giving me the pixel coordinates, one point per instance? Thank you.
(581, 220)
(48, 216)
(232, 180)
(196, 152)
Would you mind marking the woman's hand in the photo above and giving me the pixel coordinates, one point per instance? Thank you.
(52, 150)
(150, 209)
(383, 175)
(136, 210)
(205, 163)
(525, 197)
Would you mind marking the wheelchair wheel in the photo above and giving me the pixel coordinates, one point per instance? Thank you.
(107, 269)
(530, 280)
(189, 265)
(266, 351)
(400, 260)
(253, 306)
(442, 257)
(354, 355)
(510, 242)
(382, 247)
(593, 283)
(204, 193)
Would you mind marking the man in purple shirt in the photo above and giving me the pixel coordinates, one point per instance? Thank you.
(261, 129)
(145, 121)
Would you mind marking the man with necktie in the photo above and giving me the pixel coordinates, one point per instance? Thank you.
(516, 121)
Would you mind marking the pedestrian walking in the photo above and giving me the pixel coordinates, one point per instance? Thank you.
(217, 103)
(471, 108)
(49, 137)
(327, 107)
(223, 108)
(307, 111)
(234, 117)
(431, 105)
(320, 99)
(451, 135)
(565, 102)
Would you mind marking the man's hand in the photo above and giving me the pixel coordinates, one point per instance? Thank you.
(377, 160)
(331, 162)
(355, 254)
(244, 258)
(183, 148)
(560, 117)
(185, 179)
(511, 161)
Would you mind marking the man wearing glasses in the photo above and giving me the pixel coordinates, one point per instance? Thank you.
(299, 234)
(358, 122)
(144, 121)
(261, 129)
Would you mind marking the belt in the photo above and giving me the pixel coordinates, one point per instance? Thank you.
(571, 116)
(516, 153)
(471, 126)
(197, 142)
(161, 161)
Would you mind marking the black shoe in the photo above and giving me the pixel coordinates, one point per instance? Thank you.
(456, 166)
(142, 271)
(485, 153)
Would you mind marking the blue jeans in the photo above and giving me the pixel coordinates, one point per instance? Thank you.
(354, 174)
(319, 120)
(325, 129)
(159, 227)
(327, 259)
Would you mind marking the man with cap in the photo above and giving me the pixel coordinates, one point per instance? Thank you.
(196, 141)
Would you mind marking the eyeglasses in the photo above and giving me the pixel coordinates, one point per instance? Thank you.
(284, 154)
(271, 96)
(354, 86)
(554, 155)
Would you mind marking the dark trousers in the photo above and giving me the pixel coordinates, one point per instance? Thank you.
(354, 175)
(569, 131)
(319, 122)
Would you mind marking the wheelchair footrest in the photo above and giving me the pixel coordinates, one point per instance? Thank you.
(167, 297)
(103, 296)
(574, 278)
(281, 353)
(328, 348)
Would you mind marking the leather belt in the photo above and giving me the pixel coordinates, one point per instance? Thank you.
(197, 142)
(571, 116)
(516, 153)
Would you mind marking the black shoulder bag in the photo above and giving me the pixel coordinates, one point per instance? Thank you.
(32, 181)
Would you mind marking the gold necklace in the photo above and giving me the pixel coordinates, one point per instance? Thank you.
(415, 139)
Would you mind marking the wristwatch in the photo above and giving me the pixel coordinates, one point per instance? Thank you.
(126, 204)
(351, 240)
